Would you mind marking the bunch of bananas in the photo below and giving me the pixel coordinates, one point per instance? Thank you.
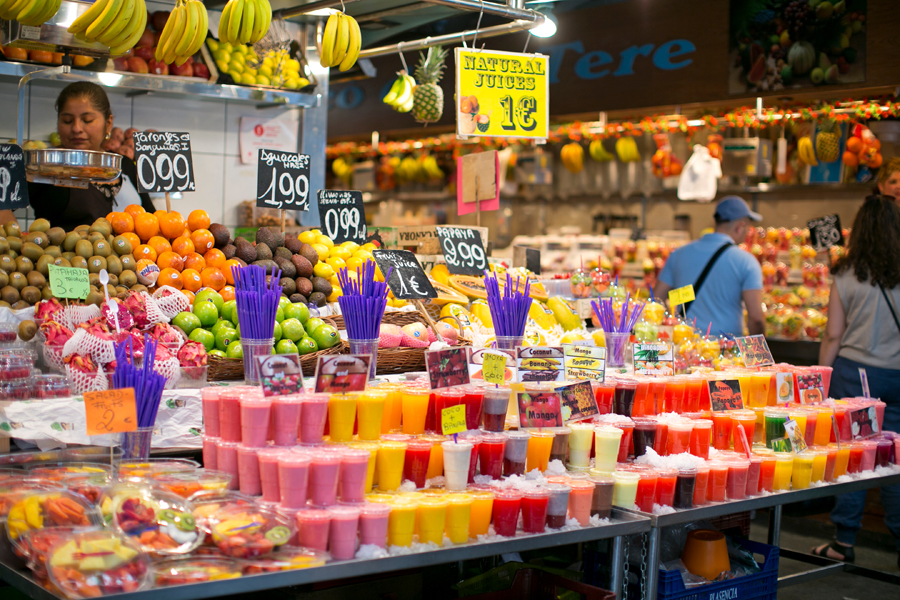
(244, 21)
(400, 96)
(184, 33)
(342, 169)
(807, 151)
(598, 152)
(28, 12)
(572, 156)
(341, 42)
(431, 168)
(118, 24)
(410, 170)
(627, 150)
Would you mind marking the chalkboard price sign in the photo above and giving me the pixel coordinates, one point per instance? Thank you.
(282, 180)
(164, 162)
(825, 232)
(407, 279)
(343, 216)
(463, 250)
(13, 186)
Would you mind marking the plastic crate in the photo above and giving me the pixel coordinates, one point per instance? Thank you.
(536, 584)
(762, 585)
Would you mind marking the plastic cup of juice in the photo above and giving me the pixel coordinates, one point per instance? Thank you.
(342, 532)
(759, 434)
(627, 428)
(684, 488)
(606, 442)
(415, 463)
(436, 460)
(373, 524)
(784, 466)
(560, 448)
(692, 392)
(539, 445)
(759, 389)
(286, 418)
(603, 393)
(431, 518)
(580, 440)
(700, 483)
(446, 398)
(717, 482)
(883, 451)
(515, 453)
(841, 459)
(581, 496)
(623, 397)
(801, 475)
(248, 467)
(666, 479)
(389, 465)
(415, 410)
(459, 514)
(230, 415)
(674, 395)
(820, 462)
(255, 419)
(391, 419)
(495, 407)
(870, 447)
(456, 465)
(534, 510)
(678, 438)
(662, 435)
(227, 461)
(370, 414)
(482, 506)
(268, 472)
(640, 407)
(324, 476)
(209, 451)
(644, 434)
(490, 454)
(625, 488)
(473, 399)
(341, 416)
(656, 396)
(505, 512)
(700, 436)
(646, 490)
(854, 463)
(736, 482)
(209, 397)
(371, 448)
(823, 426)
(601, 498)
(354, 472)
(402, 521)
(557, 504)
(313, 414)
(313, 526)
(745, 419)
(774, 423)
(753, 475)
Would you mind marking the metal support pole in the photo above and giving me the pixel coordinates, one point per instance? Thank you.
(774, 536)
(615, 566)
(314, 127)
(23, 83)
(653, 563)
(451, 38)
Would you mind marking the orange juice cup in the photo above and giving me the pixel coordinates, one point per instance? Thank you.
(841, 459)
(722, 425)
(370, 414)
(823, 426)
(747, 420)
(539, 445)
(415, 410)
(480, 516)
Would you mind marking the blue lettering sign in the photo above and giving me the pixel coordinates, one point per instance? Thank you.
(662, 58)
(584, 68)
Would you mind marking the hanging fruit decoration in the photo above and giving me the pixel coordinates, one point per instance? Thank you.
(863, 148)
(341, 41)
(572, 156)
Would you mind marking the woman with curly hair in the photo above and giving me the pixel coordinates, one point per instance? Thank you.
(863, 331)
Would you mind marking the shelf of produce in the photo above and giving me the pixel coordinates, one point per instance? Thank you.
(176, 86)
(622, 524)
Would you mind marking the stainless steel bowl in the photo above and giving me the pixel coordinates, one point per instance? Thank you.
(62, 163)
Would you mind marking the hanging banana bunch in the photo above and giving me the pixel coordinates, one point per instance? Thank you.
(400, 96)
(28, 12)
(245, 21)
(118, 24)
(341, 42)
(184, 33)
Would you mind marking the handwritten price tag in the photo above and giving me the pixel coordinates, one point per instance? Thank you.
(494, 368)
(69, 282)
(453, 419)
(681, 295)
(111, 411)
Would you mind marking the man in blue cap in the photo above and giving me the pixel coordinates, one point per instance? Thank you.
(723, 275)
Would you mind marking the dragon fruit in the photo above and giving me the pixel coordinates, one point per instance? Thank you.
(81, 364)
(165, 334)
(137, 342)
(192, 354)
(137, 306)
(125, 319)
(97, 328)
(162, 354)
(55, 334)
(45, 309)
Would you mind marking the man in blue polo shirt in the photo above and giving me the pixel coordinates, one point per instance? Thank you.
(723, 275)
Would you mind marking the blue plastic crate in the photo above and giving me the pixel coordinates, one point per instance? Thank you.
(761, 586)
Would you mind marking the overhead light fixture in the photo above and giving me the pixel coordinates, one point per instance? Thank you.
(548, 27)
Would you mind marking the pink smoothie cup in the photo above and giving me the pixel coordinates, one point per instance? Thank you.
(209, 451)
(354, 467)
(313, 413)
(209, 396)
(268, 473)
(373, 524)
(230, 415)
(342, 532)
(286, 417)
(248, 467)
(293, 479)
(255, 419)
(314, 526)
(324, 476)
(227, 461)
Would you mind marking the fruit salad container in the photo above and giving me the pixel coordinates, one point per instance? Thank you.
(9, 333)
(160, 522)
(49, 509)
(208, 504)
(193, 377)
(37, 544)
(61, 471)
(15, 365)
(195, 569)
(249, 532)
(11, 475)
(144, 468)
(285, 559)
(89, 485)
(15, 389)
(186, 484)
(96, 563)
(46, 387)
(11, 493)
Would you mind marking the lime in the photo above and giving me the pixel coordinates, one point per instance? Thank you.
(204, 337)
(210, 295)
(286, 347)
(248, 79)
(292, 329)
(307, 346)
(326, 336)
(224, 337)
(276, 332)
(206, 312)
(297, 311)
(235, 350)
(186, 321)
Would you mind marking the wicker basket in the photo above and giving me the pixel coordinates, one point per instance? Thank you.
(399, 318)
(404, 360)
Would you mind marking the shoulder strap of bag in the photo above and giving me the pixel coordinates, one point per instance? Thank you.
(891, 307)
(705, 272)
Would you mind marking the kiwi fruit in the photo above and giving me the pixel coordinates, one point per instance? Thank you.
(138, 287)
(113, 280)
(9, 294)
(42, 225)
(128, 262)
(221, 234)
(79, 262)
(4, 245)
(246, 252)
(322, 285)
(286, 266)
(293, 244)
(113, 265)
(32, 251)
(121, 290)
(304, 269)
(83, 228)
(94, 236)
(68, 244)
(61, 262)
(20, 305)
(110, 238)
(317, 298)
(128, 279)
(122, 245)
(24, 265)
(288, 286)
(37, 280)
(102, 248)
(46, 293)
(96, 264)
(38, 238)
(12, 254)
(268, 265)
(283, 253)
(102, 227)
(56, 235)
(17, 280)
(30, 294)
(68, 255)
(4, 279)
(95, 297)
(94, 280)
(12, 228)
(270, 237)
(263, 252)
(304, 286)
(7, 263)
(295, 298)
(15, 243)
(310, 254)
(27, 330)
(42, 265)
(53, 251)
(229, 251)
(84, 249)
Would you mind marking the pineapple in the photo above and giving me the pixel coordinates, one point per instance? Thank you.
(828, 141)
(428, 97)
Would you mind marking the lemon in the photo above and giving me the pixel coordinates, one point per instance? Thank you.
(364, 254)
(243, 49)
(599, 338)
(250, 71)
(321, 250)
(222, 66)
(323, 270)
(308, 237)
(354, 263)
(325, 241)
(368, 247)
(248, 79)
(222, 54)
(266, 69)
(292, 65)
(239, 57)
(292, 84)
(212, 44)
(336, 262)
(268, 62)
(263, 80)
(235, 75)
(236, 67)
(339, 252)
(225, 46)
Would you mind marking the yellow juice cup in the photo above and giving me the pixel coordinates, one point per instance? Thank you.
(823, 426)
(746, 382)
(372, 447)
(625, 488)
(459, 514)
(389, 465)
(606, 442)
(580, 441)
(436, 460)
(539, 445)
(820, 460)
(402, 521)
(784, 466)
(415, 409)
(393, 410)
(759, 389)
(370, 414)
(341, 416)
(801, 472)
(841, 460)
(800, 416)
(480, 516)
(431, 518)
(377, 498)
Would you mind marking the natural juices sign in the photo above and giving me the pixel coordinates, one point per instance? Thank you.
(502, 94)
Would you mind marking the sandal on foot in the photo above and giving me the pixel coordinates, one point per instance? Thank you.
(846, 552)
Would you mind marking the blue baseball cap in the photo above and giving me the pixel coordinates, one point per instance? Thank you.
(732, 208)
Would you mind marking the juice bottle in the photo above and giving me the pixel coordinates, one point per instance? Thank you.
(431, 518)
(784, 466)
(432, 418)
(255, 418)
(341, 416)
(883, 452)
(534, 510)
(324, 476)
(801, 475)
(870, 447)
(700, 435)
(370, 414)
(209, 397)
(392, 418)
(209, 451)
(625, 488)
(293, 478)
(415, 409)
(227, 461)
(446, 398)
(505, 512)
(746, 382)
(480, 515)
(665, 486)
(539, 445)
(459, 515)
(373, 524)
(286, 417)
(759, 433)
(678, 438)
(759, 389)
(601, 498)
(230, 415)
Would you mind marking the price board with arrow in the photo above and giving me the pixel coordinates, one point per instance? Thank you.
(407, 280)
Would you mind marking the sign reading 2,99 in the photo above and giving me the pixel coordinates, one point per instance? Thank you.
(502, 94)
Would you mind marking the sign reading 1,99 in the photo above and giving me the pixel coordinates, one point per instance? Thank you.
(163, 160)
(343, 215)
(282, 180)
(502, 94)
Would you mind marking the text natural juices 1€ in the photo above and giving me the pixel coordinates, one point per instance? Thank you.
(389, 464)
(459, 514)
(370, 414)
(313, 414)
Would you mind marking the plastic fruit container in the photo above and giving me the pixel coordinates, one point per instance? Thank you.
(11, 475)
(208, 504)
(46, 509)
(37, 543)
(96, 563)
(285, 559)
(15, 389)
(15, 365)
(45, 387)
(186, 484)
(9, 333)
(138, 469)
(195, 569)
(248, 532)
(90, 486)
(160, 522)
(61, 471)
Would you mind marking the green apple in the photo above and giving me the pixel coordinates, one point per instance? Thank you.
(204, 337)
(326, 336)
(206, 312)
(224, 337)
(286, 347)
(307, 345)
(210, 295)
(217, 352)
(279, 314)
(220, 324)
(292, 329)
(297, 311)
(276, 332)
(283, 302)
(229, 311)
(312, 324)
(186, 321)
(235, 350)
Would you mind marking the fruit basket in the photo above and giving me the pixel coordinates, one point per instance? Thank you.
(240, 65)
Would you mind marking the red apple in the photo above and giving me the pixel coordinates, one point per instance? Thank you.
(120, 64)
(138, 65)
(145, 52)
(158, 20)
(157, 67)
(185, 70)
(146, 39)
(200, 70)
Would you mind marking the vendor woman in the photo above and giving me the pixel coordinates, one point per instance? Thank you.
(84, 120)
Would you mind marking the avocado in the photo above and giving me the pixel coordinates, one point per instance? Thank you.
(310, 254)
(268, 265)
(317, 298)
(221, 235)
(246, 252)
(322, 285)
(229, 251)
(270, 237)
(286, 266)
(263, 252)
(295, 298)
(304, 286)
(304, 268)
(292, 244)
(283, 253)
(288, 287)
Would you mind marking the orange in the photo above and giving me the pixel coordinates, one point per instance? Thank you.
(191, 280)
(145, 251)
(203, 240)
(213, 278)
(159, 213)
(186, 232)
(122, 223)
(133, 238)
(160, 244)
(170, 260)
(183, 245)
(171, 225)
(198, 219)
(110, 215)
(134, 210)
(229, 276)
(188, 294)
(146, 226)
(215, 258)
(170, 277)
(195, 261)
(227, 293)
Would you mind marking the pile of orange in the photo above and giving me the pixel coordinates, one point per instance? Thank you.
(182, 249)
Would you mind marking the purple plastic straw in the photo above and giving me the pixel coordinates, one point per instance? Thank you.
(257, 300)
(509, 310)
(147, 383)
(363, 302)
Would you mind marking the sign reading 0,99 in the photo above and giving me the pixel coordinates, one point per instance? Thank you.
(502, 94)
